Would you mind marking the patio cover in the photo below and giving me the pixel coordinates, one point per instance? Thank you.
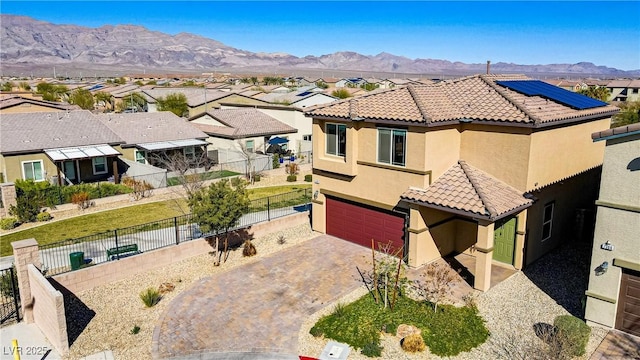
(81, 152)
(277, 141)
(174, 144)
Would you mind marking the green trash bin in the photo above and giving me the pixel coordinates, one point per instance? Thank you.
(77, 260)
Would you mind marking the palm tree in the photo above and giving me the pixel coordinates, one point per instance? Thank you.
(597, 92)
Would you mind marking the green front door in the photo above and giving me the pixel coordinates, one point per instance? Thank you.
(504, 238)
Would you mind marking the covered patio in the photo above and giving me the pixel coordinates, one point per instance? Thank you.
(84, 164)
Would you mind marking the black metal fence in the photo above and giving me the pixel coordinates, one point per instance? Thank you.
(74, 254)
(9, 296)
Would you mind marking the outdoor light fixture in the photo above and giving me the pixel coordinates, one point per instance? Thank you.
(602, 268)
(315, 195)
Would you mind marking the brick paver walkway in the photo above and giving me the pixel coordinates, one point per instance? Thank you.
(260, 307)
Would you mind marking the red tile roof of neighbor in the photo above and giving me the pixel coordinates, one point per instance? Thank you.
(471, 192)
(620, 130)
(243, 123)
(474, 98)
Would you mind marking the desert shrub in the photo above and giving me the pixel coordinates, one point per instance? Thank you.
(9, 223)
(292, 168)
(135, 330)
(339, 310)
(256, 177)
(372, 349)
(249, 249)
(307, 178)
(140, 188)
(95, 190)
(43, 216)
(413, 343)
(282, 240)
(292, 178)
(6, 288)
(275, 161)
(572, 333)
(316, 332)
(81, 199)
(150, 297)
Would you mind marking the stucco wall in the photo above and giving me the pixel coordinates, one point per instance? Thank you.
(562, 152)
(617, 221)
(499, 151)
(13, 165)
(48, 310)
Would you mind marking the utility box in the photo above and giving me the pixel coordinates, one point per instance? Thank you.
(77, 260)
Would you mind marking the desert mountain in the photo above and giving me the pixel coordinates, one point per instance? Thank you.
(28, 44)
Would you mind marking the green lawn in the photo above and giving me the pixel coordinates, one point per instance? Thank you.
(447, 332)
(115, 219)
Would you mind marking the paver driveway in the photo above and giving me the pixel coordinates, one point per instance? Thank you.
(259, 307)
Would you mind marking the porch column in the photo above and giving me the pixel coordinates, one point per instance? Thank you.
(521, 231)
(422, 247)
(58, 166)
(484, 256)
(116, 176)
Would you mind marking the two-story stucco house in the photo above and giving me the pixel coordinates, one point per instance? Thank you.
(613, 296)
(493, 166)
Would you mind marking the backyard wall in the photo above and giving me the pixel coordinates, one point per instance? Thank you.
(48, 310)
(90, 277)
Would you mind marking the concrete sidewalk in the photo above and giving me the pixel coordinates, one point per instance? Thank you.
(32, 344)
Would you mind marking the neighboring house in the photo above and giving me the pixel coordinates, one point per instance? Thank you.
(199, 100)
(299, 141)
(471, 165)
(11, 104)
(63, 148)
(350, 82)
(613, 296)
(149, 137)
(231, 130)
(301, 98)
(624, 90)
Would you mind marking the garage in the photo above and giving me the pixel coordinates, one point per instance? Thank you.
(359, 223)
(628, 318)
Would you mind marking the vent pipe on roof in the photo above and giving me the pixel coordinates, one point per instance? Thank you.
(488, 66)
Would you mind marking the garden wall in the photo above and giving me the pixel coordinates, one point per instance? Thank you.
(47, 305)
(115, 270)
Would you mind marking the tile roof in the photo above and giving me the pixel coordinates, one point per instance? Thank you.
(33, 132)
(243, 123)
(476, 98)
(617, 131)
(195, 96)
(140, 128)
(7, 101)
(469, 191)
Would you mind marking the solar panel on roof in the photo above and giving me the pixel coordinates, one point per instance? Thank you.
(305, 93)
(552, 92)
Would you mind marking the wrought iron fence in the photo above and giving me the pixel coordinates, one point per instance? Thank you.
(74, 254)
(9, 296)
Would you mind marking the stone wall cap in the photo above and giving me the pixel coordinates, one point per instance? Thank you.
(24, 243)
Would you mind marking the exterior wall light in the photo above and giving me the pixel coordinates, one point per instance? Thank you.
(602, 268)
(315, 195)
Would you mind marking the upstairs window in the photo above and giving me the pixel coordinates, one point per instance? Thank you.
(250, 146)
(392, 145)
(547, 221)
(336, 139)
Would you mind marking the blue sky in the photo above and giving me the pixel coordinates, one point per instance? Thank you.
(525, 32)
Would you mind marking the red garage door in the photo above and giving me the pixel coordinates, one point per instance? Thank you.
(628, 318)
(359, 224)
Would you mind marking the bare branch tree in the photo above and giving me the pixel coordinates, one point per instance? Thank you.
(437, 284)
(249, 155)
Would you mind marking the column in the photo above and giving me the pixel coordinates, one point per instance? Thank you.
(521, 232)
(25, 252)
(484, 256)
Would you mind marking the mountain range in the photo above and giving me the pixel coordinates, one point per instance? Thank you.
(29, 45)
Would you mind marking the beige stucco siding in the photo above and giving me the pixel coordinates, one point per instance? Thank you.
(501, 152)
(442, 150)
(617, 172)
(13, 166)
(562, 152)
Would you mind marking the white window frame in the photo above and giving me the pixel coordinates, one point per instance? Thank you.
(190, 153)
(549, 221)
(391, 152)
(42, 172)
(251, 148)
(337, 145)
(144, 156)
(95, 170)
(306, 137)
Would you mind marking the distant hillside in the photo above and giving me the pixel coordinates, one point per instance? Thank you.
(30, 45)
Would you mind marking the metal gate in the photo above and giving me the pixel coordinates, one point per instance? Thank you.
(9, 296)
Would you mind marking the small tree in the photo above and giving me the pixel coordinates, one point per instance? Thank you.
(387, 276)
(176, 103)
(218, 208)
(596, 92)
(629, 114)
(249, 156)
(82, 98)
(341, 93)
(437, 284)
(8, 86)
(105, 98)
(133, 101)
(29, 200)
